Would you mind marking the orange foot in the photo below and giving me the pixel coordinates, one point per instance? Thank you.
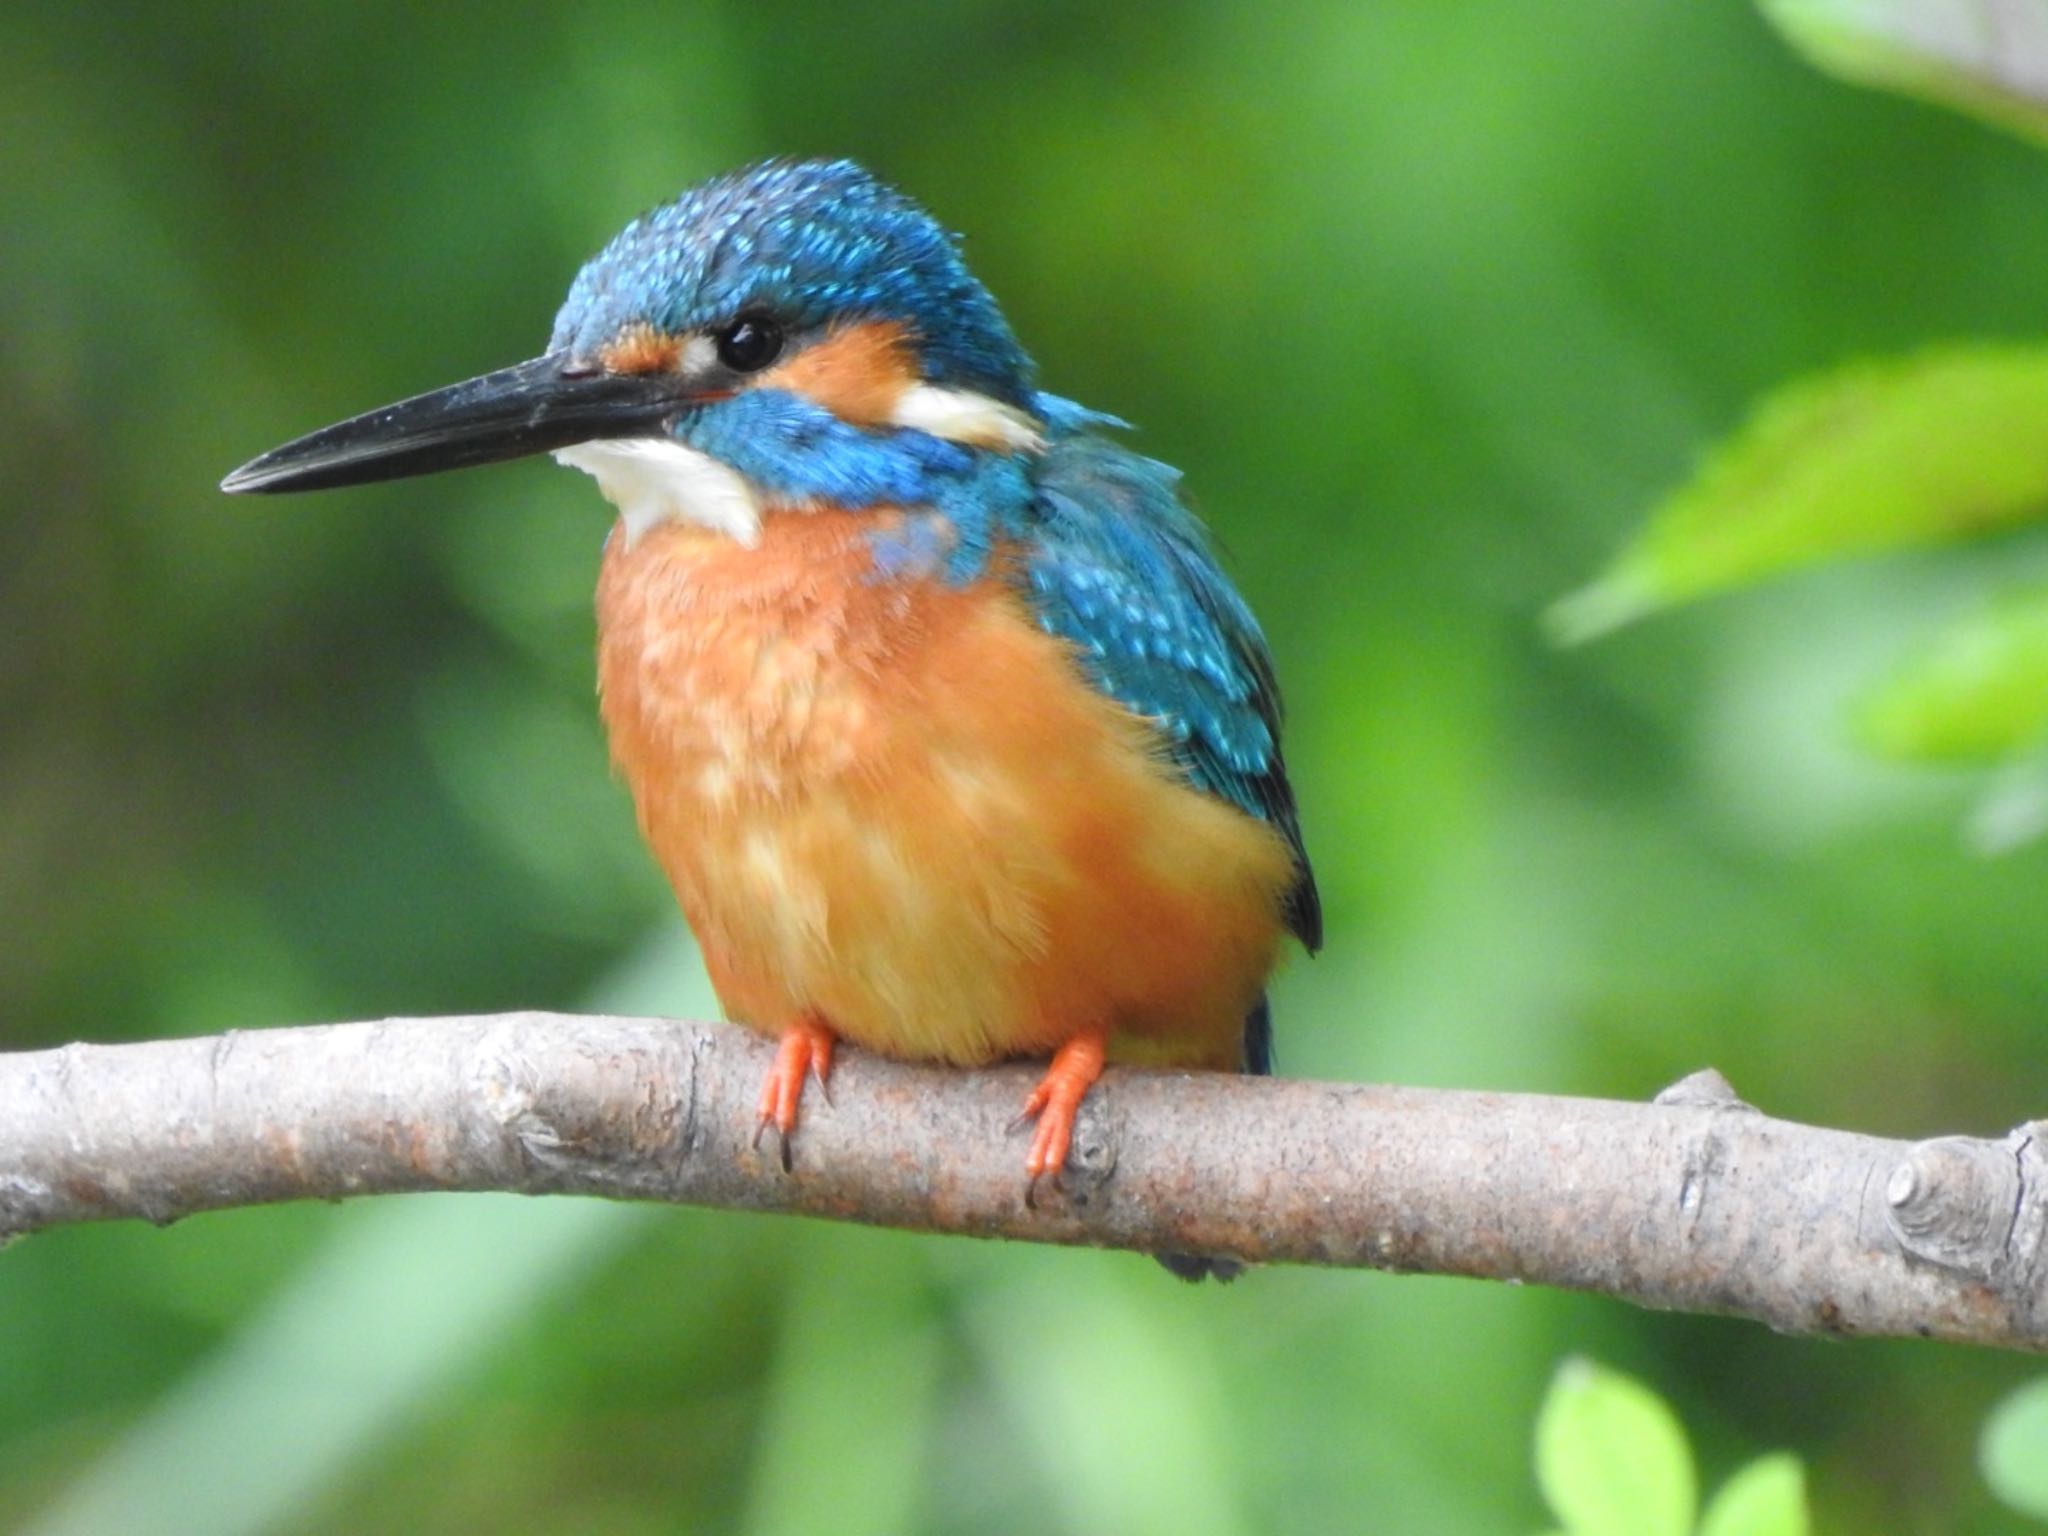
(806, 1050)
(1055, 1100)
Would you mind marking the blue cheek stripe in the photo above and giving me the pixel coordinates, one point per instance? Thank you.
(792, 446)
(795, 447)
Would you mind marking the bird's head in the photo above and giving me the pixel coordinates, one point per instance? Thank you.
(792, 332)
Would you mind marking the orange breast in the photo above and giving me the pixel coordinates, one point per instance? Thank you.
(898, 803)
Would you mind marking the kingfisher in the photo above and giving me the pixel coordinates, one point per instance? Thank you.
(935, 705)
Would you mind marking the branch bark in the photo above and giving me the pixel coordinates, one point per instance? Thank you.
(1696, 1202)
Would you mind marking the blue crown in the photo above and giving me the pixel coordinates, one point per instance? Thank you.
(810, 242)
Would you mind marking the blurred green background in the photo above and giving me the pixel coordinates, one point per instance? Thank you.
(1430, 301)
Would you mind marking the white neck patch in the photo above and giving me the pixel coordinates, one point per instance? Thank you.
(655, 479)
(964, 416)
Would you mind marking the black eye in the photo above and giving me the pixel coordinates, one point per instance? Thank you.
(749, 344)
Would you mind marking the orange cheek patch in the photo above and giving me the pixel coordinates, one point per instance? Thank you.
(857, 372)
(641, 349)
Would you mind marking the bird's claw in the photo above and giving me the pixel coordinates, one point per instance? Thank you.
(1053, 1104)
(804, 1052)
(782, 1152)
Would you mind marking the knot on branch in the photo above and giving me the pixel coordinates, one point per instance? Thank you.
(622, 1114)
(1953, 1201)
(1704, 1089)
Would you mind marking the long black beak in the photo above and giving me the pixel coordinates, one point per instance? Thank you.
(550, 402)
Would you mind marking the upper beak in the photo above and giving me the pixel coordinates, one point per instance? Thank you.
(532, 407)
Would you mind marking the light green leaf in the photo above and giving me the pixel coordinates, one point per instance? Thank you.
(1978, 693)
(2014, 1450)
(1611, 1457)
(1985, 57)
(1765, 1498)
(1874, 456)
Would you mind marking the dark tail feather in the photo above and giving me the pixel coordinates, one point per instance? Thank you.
(1258, 1062)
(1258, 1039)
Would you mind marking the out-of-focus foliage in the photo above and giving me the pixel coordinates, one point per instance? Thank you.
(1976, 693)
(1429, 302)
(1873, 457)
(1765, 1498)
(1988, 57)
(2015, 1449)
(1611, 1457)
(1612, 1460)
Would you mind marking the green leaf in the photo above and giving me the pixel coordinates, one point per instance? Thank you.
(1980, 57)
(1874, 456)
(1765, 1498)
(1978, 693)
(1611, 1457)
(2014, 1450)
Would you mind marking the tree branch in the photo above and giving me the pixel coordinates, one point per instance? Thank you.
(1696, 1202)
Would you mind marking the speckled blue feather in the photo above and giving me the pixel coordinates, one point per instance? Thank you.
(1118, 566)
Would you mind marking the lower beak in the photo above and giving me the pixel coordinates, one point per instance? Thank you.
(532, 407)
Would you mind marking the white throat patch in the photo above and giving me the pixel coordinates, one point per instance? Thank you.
(653, 479)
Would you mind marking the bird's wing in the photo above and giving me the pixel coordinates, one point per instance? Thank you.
(1120, 568)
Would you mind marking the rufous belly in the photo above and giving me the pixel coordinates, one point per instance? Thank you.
(898, 803)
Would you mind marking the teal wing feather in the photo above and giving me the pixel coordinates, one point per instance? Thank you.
(1119, 567)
